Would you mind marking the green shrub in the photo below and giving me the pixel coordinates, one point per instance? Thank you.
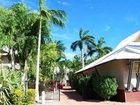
(17, 97)
(74, 80)
(104, 86)
(82, 82)
(9, 80)
(79, 83)
(30, 98)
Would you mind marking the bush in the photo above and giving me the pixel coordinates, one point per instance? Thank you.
(104, 86)
(82, 82)
(79, 82)
(30, 98)
(9, 80)
(18, 97)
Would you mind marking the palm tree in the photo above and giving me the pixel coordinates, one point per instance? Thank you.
(61, 48)
(85, 39)
(57, 17)
(99, 48)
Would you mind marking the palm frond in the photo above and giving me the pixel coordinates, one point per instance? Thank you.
(45, 14)
(101, 41)
(85, 32)
(75, 44)
(108, 49)
(81, 33)
(57, 21)
(88, 40)
(60, 46)
(41, 4)
(58, 13)
(91, 50)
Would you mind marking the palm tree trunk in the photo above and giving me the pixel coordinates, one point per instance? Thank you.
(82, 58)
(38, 61)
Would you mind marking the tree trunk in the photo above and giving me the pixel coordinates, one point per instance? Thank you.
(12, 59)
(24, 78)
(82, 58)
(38, 61)
(25, 66)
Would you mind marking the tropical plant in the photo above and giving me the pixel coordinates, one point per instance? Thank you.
(85, 39)
(30, 97)
(18, 97)
(57, 17)
(49, 55)
(16, 23)
(99, 48)
(9, 81)
(19, 28)
(61, 48)
(104, 86)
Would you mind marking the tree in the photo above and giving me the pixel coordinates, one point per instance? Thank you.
(24, 38)
(57, 17)
(85, 39)
(7, 31)
(52, 54)
(99, 48)
(49, 55)
(16, 23)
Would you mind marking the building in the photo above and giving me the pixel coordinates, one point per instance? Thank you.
(6, 61)
(124, 64)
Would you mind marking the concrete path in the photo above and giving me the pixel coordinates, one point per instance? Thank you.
(70, 97)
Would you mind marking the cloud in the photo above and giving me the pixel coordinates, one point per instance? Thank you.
(62, 2)
(107, 28)
(69, 55)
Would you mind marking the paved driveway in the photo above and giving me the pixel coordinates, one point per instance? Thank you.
(70, 97)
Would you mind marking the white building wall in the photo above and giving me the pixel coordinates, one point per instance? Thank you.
(116, 68)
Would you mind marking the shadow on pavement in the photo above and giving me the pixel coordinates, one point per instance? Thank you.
(73, 95)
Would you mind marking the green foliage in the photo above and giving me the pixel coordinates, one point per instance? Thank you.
(104, 86)
(49, 55)
(84, 40)
(18, 97)
(16, 24)
(9, 80)
(6, 30)
(82, 82)
(74, 64)
(98, 49)
(79, 82)
(30, 97)
(73, 80)
(19, 27)
(32, 70)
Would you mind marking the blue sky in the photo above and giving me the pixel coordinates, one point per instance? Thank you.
(112, 19)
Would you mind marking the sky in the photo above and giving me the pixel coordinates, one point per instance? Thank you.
(112, 19)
